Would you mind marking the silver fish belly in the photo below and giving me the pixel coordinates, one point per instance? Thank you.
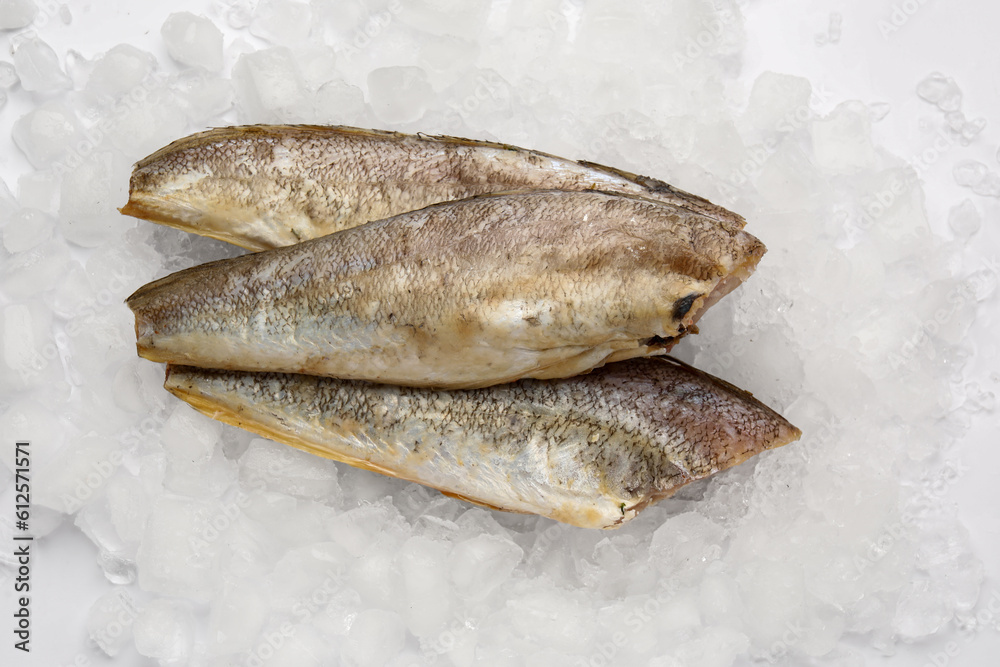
(268, 186)
(461, 294)
(591, 450)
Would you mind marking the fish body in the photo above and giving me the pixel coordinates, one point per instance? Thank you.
(461, 294)
(591, 450)
(268, 186)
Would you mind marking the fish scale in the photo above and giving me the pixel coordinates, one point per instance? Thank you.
(268, 186)
(533, 294)
(460, 441)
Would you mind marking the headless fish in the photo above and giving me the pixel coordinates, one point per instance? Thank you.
(462, 294)
(268, 186)
(591, 450)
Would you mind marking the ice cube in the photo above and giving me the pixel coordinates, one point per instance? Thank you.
(120, 70)
(138, 387)
(607, 33)
(79, 475)
(970, 173)
(152, 121)
(282, 22)
(358, 529)
(38, 67)
(240, 14)
(46, 133)
(275, 467)
(971, 129)
(177, 552)
(842, 140)
(35, 270)
(463, 18)
(129, 505)
(921, 610)
(103, 335)
(195, 464)
(109, 620)
(88, 199)
(268, 86)
(685, 545)
(116, 558)
(7, 203)
(30, 356)
(304, 647)
(17, 14)
(399, 94)
(25, 229)
(39, 190)
(428, 603)
(306, 578)
(479, 564)
(713, 647)
(376, 577)
(338, 103)
(964, 219)
(779, 104)
(236, 618)
(989, 186)
(203, 96)
(27, 420)
(375, 636)
(193, 40)
(318, 66)
(445, 59)
(482, 97)
(940, 90)
(879, 110)
(8, 75)
(163, 629)
(542, 613)
(773, 595)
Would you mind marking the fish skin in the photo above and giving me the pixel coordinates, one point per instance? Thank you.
(591, 450)
(268, 186)
(461, 294)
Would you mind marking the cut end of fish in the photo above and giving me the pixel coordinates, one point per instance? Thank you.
(216, 222)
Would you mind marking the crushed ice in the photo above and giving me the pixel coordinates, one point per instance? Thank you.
(223, 548)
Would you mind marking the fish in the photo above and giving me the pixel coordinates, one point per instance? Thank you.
(269, 186)
(592, 450)
(462, 294)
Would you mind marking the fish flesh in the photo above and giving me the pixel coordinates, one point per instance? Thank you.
(591, 450)
(486, 290)
(268, 186)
